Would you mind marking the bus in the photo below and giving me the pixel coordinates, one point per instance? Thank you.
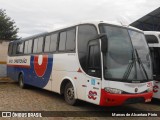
(153, 39)
(103, 63)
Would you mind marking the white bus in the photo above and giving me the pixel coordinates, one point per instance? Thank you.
(98, 62)
(153, 39)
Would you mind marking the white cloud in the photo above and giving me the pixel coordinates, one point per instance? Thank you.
(35, 16)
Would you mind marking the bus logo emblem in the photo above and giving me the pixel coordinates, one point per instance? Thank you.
(40, 64)
(92, 95)
(136, 89)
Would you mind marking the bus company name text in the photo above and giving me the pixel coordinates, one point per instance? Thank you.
(24, 60)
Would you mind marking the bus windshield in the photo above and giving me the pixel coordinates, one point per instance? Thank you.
(140, 44)
(120, 59)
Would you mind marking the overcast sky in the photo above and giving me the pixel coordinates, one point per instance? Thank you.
(36, 16)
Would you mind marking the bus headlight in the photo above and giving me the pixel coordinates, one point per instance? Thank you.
(113, 90)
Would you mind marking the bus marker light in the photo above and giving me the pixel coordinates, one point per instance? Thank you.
(84, 85)
(79, 70)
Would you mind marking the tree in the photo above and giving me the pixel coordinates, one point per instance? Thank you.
(8, 29)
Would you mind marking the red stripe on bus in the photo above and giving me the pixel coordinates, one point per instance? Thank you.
(21, 66)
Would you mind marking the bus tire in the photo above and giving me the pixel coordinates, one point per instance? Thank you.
(69, 94)
(21, 81)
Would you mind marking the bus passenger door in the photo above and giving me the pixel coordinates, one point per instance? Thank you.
(94, 71)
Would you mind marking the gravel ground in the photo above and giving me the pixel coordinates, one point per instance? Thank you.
(13, 98)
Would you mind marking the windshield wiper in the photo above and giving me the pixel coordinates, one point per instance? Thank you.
(140, 63)
(130, 66)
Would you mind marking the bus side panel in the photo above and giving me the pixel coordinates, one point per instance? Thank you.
(17, 65)
(40, 70)
(64, 66)
(36, 69)
(11, 73)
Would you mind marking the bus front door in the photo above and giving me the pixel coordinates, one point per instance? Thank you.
(93, 69)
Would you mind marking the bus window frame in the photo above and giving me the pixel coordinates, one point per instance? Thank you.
(14, 49)
(31, 47)
(65, 30)
(42, 45)
(45, 43)
(33, 39)
(9, 47)
(19, 42)
(27, 47)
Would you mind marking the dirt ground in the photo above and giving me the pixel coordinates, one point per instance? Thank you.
(13, 98)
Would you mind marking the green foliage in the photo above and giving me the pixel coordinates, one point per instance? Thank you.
(8, 29)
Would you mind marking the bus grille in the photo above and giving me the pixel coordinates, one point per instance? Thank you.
(134, 100)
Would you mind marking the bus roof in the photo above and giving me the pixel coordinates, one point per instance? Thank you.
(34, 36)
(96, 23)
(31, 37)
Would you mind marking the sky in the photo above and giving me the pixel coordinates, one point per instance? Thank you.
(37, 16)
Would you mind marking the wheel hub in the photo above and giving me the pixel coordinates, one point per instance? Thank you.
(70, 93)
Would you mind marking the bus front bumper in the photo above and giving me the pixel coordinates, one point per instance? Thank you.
(108, 99)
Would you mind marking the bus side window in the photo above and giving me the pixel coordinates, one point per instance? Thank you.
(53, 43)
(62, 42)
(94, 64)
(14, 49)
(40, 45)
(47, 43)
(67, 40)
(10, 49)
(86, 33)
(35, 46)
(25, 47)
(70, 44)
(19, 49)
(29, 47)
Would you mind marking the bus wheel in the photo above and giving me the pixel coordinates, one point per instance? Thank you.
(69, 94)
(21, 81)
